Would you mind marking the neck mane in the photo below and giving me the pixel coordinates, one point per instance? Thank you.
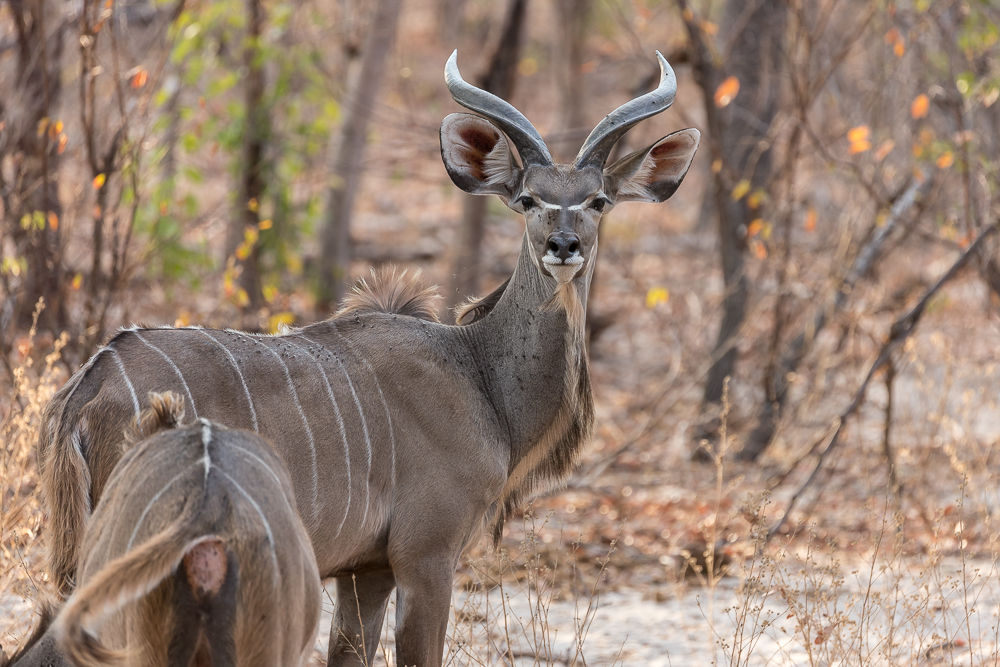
(532, 359)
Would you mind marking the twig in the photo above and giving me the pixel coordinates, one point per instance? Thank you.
(800, 346)
(900, 330)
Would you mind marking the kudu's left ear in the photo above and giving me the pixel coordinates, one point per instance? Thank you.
(477, 156)
(654, 173)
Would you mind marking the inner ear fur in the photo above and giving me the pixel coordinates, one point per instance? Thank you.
(477, 156)
(653, 174)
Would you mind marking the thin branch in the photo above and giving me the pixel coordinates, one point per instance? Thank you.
(900, 330)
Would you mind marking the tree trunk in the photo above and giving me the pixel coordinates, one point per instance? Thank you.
(499, 80)
(756, 33)
(451, 15)
(244, 246)
(347, 149)
(569, 58)
(30, 123)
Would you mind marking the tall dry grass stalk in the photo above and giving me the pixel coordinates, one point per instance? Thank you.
(23, 581)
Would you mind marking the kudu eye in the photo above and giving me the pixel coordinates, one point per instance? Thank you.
(526, 202)
(598, 204)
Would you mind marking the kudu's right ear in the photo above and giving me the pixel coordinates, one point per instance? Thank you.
(477, 156)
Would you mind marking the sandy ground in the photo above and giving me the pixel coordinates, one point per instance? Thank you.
(898, 613)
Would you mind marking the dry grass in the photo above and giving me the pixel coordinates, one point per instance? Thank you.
(22, 539)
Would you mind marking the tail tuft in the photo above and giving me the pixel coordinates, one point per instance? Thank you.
(390, 291)
(166, 411)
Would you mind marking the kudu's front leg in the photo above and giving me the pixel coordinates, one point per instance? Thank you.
(423, 597)
(357, 618)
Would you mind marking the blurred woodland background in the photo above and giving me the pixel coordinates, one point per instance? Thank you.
(811, 322)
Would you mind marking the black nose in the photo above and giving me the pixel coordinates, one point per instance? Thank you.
(563, 245)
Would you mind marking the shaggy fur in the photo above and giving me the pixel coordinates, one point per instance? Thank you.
(390, 291)
(166, 411)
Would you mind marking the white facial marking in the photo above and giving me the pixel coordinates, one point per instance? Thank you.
(562, 270)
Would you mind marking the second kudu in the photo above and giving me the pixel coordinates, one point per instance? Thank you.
(402, 435)
(195, 556)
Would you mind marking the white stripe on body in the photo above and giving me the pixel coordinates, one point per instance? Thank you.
(364, 428)
(305, 422)
(280, 485)
(385, 404)
(232, 360)
(258, 460)
(131, 389)
(206, 439)
(116, 473)
(343, 431)
(170, 361)
(79, 375)
(267, 526)
(149, 506)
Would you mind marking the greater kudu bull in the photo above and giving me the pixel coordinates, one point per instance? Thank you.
(403, 435)
(195, 556)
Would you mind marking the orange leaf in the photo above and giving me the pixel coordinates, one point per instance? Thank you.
(860, 146)
(810, 223)
(99, 181)
(759, 250)
(727, 91)
(139, 80)
(859, 133)
(899, 48)
(755, 227)
(63, 140)
(77, 281)
(946, 160)
(920, 106)
(265, 224)
(53, 220)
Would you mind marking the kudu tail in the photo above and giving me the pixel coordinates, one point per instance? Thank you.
(165, 411)
(127, 579)
(65, 478)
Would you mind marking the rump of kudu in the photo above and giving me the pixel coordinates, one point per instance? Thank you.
(228, 499)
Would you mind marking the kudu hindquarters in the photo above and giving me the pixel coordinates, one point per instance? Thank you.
(402, 435)
(195, 555)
